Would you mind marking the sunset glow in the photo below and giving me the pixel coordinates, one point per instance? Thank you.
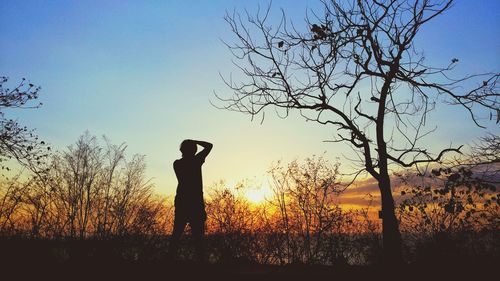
(260, 194)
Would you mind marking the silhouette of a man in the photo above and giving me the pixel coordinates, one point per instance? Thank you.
(189, 204)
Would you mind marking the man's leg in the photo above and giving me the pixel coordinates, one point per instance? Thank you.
(198, 232)
(179, 226)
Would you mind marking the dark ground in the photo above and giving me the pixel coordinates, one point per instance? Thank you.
(38, 260)
(189, 271)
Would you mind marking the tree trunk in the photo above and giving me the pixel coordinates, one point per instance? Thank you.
(391, 237)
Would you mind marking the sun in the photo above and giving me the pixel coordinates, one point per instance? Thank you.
(259, 194)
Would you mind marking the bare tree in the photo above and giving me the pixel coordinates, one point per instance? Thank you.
(84, 166)
(11, 197)
(227, 210)
(114, 155)
(133, 192)
(16, 141)
(230, 218)
(355, 67)
(304, 195)
(484, 158)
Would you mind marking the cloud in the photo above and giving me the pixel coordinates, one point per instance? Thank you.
(362, 187)
(359, 201)
(365, 192)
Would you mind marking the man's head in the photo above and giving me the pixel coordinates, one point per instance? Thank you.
(188, 148)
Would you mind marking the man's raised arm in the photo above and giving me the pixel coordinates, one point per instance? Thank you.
(207, 147)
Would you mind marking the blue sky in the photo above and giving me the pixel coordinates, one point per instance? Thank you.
(143, 72)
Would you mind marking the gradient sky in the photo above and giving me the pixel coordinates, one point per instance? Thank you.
(143, 72)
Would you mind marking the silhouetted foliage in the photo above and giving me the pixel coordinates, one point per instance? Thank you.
(454, 209)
